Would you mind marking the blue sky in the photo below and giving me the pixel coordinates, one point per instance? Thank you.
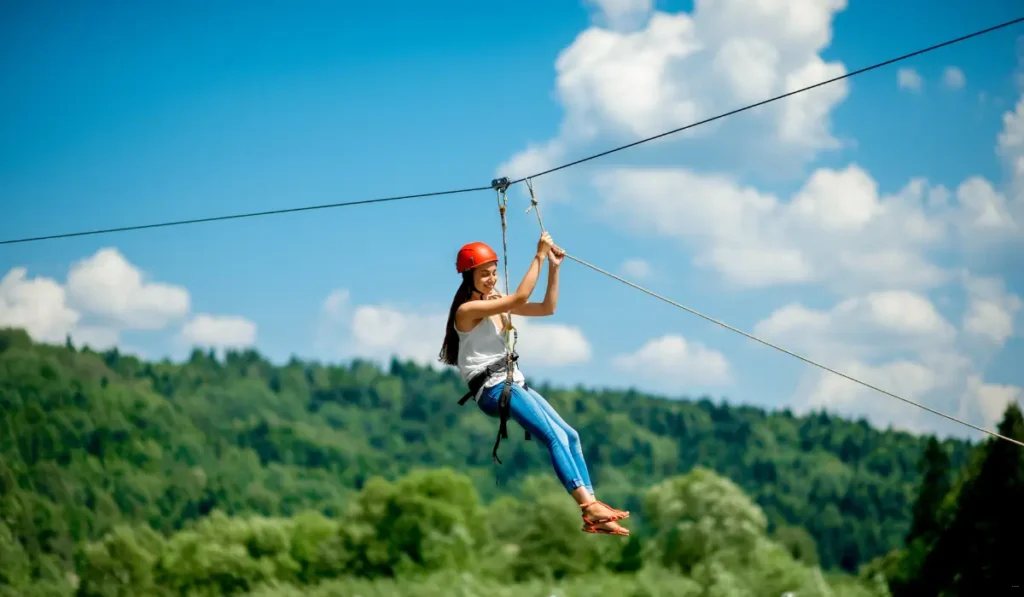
(134, 114)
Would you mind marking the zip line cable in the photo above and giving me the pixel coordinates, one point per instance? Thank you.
(487, 188)
(240, 216)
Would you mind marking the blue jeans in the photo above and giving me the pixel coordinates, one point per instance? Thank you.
(536, 415)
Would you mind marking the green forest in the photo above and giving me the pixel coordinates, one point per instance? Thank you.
(235, 476)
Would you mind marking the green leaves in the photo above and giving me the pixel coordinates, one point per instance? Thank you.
(386, 477)
(428, 530)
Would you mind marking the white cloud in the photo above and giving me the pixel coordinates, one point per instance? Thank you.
(888, 323)
(984, 210)
(105, 295)
(989, 400)
(107, 285)
(909, 379)
(991, 309)
(38, 305)
(837, 229)
(383, 331)
(1010, 141)
(636, 268)
(897, 342)
(954, 78)
(682, 67)
(550, 344)
(881, 251)
(1010, 147)
(211, 331)
(673, 359)
(908, 78)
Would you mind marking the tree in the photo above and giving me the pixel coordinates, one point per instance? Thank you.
(935, 485)
(979, 554)
(699, 514)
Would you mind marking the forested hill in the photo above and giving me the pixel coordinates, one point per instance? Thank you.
(88, 440)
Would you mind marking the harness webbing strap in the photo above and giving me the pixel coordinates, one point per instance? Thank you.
(504, 402)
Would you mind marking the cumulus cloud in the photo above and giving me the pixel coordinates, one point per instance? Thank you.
(837, 229)
(1010, 147)
(672, 359)
(38, 305)
(908, 78)
(988, 400)
(900, 343)
(991, 309)
(886, 323)
(107, 285)
(984, 210)
(551, 344)
(920, 382)
(880, 251)
(384, 331)
(682, 67)
(104, 296)
(954, 78)
(221, 332)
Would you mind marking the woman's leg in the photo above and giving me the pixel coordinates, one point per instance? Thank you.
(526, 411)
(575, 448)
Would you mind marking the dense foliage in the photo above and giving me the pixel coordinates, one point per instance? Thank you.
(235, 476)
(968, 523)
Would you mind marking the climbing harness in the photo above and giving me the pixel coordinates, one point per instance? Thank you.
(506, 363)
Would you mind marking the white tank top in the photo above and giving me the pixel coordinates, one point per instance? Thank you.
(480, 347)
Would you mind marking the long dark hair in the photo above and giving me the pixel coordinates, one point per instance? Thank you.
(450, 347)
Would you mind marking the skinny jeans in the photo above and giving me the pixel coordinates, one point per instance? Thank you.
(536, 415)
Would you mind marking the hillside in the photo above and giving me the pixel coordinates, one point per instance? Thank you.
(89, 440)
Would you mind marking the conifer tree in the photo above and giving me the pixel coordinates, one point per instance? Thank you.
(979, 554)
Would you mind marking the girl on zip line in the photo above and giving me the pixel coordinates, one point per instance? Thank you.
(473, 342)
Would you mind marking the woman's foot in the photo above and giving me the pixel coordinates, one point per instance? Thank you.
(600, 518)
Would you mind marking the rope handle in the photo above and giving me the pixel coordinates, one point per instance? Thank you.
(501, 186)
(534, 205)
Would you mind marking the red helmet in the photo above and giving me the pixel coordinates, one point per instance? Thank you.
(473, 255)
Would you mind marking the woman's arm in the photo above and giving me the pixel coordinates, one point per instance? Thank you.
(547, 307)
(478, 309)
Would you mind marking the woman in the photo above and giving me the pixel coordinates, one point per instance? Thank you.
(473, 342)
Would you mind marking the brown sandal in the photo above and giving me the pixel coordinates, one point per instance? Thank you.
(619, 513)
(592, 528)
(616, 514)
